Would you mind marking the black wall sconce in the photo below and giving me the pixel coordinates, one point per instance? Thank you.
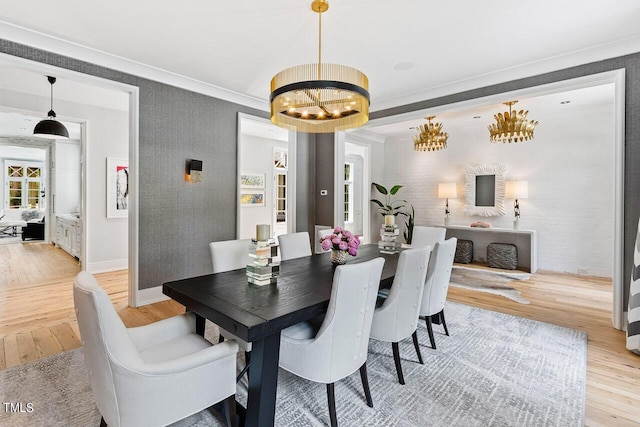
(193, 172)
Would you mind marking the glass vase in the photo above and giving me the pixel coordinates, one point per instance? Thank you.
(339, 257)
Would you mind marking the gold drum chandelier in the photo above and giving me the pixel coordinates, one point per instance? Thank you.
(319, 98)
(512, 126)
(430, 137)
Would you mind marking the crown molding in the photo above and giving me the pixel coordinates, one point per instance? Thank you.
(53, 44)
(364, 136)
(560, 62)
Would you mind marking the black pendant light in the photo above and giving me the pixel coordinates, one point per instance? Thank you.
(51, 128)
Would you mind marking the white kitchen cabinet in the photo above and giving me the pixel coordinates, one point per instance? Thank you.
(68, 234)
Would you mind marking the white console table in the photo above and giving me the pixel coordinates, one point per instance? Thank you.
(525, 240)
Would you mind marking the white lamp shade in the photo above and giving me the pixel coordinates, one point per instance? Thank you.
(447, 190)
(516, 190)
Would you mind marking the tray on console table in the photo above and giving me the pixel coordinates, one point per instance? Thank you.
(525, 240)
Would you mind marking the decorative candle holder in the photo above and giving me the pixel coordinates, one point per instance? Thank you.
(265, 266)
(389, 239)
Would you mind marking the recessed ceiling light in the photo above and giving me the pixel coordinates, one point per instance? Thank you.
(476, 117)
(565, 102)
(404, 66)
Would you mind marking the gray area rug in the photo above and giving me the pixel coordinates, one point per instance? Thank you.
(493, 282)
(494, 370)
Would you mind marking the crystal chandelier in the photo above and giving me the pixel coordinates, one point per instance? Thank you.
(430, 137)
(319, 98)
(512, 126)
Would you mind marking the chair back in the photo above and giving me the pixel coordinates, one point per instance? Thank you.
(105, 342)
(397, 318)
(230, 255)
(322, 233)
(294, 245)
(347, 323)
(437, 284)
(427, 236)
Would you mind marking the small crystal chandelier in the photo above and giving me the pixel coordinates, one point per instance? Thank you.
(512, 126)
(319, 98)
(430, 137)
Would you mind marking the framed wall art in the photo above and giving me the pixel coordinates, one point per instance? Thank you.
(252, 198)
(252, 180)
(117, 188)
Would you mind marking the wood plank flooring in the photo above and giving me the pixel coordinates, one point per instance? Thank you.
(37, 320)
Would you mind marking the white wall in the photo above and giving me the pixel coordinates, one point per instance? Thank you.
(570, 169)
(67, 177)
(107, 133)
(257, 158)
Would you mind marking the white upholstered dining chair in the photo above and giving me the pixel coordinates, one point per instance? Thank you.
(427, 236)
(294, 245)
(397, 318)
(436, 285)
(333, 349)
(229, 255)
(150, 375)
(323, 233)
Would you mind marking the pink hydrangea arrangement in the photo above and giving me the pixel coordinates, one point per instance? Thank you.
(342, 240)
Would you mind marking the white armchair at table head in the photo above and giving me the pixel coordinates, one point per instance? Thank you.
(229, 255)
(397, 318)
(340, 345)
(151, 375)
(436, 286)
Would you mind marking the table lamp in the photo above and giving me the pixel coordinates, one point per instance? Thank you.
(516, 190)
(447, 190)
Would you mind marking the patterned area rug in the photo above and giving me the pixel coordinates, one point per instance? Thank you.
(493, 282)
(494, 370)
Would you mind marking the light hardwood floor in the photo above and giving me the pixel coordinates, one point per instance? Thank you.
(37, 320)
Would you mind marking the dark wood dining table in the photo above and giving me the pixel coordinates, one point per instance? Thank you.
(257, 314)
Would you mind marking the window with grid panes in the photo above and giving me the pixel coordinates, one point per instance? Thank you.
(348, 193)
(24, 185)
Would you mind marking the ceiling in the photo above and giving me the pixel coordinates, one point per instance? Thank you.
(239, 46)
(410, 49)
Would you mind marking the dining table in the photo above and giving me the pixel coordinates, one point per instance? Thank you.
(258, 314)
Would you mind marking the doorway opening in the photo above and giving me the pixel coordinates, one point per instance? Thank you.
(266, 177)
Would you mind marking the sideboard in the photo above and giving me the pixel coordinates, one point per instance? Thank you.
(525, 240)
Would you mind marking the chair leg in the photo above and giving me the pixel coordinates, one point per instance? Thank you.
(444, 323)
(365, 384)
(102, 422)
(430, 330)
(417, 347)
(247, 363)
(396, 358)
(230, 411)
(331, 397)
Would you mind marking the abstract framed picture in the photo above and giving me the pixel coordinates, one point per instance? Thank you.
(252, 180)
(252, 198)
(117, 187)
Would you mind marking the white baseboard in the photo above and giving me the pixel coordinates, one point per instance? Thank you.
(106, 266)
(150, 296)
